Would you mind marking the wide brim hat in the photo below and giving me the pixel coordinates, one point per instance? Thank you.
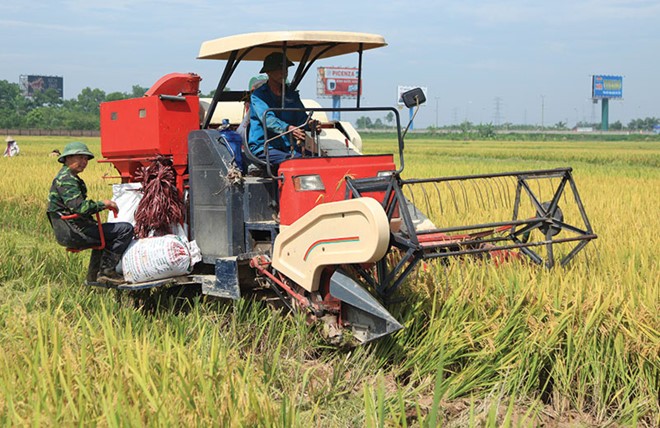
(75, 148)
(274, 61)
(9, 139)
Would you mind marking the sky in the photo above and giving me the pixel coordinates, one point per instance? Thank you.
(518, 61)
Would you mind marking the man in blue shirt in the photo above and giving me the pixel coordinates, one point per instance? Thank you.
(269, 95)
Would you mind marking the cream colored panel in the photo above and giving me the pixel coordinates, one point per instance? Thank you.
(351, 231)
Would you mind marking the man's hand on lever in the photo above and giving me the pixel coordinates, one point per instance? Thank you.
(298, 133)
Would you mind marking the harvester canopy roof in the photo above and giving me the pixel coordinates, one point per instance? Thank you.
(256, 46)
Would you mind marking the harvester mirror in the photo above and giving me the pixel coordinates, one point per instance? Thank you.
(413, 97)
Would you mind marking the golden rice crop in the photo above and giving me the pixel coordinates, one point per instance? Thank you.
(515, 345)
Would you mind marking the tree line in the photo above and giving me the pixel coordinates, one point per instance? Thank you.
(646, 124)
(46, 110)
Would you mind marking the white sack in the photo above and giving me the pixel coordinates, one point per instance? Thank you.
(127, 196)
(159, 257)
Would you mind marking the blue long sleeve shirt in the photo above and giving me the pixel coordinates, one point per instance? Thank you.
(276, 121)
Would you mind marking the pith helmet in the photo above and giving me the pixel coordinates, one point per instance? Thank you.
(9, 139)
(75, 148)
(274, 61)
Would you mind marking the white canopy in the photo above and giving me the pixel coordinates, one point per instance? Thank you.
(260, 45)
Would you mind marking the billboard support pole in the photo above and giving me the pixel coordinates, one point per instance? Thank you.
(336, 103)
(411, 114)
(604, 114)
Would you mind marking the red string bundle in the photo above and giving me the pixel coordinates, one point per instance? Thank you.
(161, 206)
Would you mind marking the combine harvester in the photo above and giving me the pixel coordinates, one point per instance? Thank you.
(336, 233)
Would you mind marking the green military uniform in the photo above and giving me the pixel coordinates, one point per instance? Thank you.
(68, 195)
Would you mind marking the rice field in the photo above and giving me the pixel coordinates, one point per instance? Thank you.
(514, 345)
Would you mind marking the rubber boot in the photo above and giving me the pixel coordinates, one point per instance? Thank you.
(94, 267)
(107, 274)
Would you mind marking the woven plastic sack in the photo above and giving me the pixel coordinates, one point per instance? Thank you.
(127, 196)
(149, 259)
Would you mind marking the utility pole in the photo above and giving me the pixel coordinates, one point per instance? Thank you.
(436, 112)
(498, 111)
(542, 111)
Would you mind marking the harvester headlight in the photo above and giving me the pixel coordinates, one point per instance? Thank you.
(385, 173)
(308, 182)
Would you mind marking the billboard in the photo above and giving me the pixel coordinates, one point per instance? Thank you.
(32, 84)
(337, 81)
(401, 89)
(606, 86)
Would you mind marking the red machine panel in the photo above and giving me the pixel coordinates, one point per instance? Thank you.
(133, 131)
(295, 203)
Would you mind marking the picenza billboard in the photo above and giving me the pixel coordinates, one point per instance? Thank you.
(603, 86)
(337, 81)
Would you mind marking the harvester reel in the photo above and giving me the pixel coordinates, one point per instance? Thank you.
(416, 241)
(557, 215)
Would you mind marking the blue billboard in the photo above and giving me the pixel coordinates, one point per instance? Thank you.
(606, 86)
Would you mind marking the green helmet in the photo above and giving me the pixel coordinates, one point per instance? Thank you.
(75, 148)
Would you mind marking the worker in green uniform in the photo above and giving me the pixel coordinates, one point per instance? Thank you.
(68, 196)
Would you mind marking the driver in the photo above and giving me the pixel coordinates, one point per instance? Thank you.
(268, 96)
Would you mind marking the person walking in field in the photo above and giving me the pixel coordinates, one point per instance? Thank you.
(68, 196)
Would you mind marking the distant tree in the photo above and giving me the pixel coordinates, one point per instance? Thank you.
(81, 120)
(560, 125)
(583, 124)
(643, 124)
(8, 93)
(389, 118)
(89, 100)
(507, 125)
(10, 105)
(35, 118)
(138, 91)
(486, 130)
(634, 125)
(363, 122)
(115, 96)
(616, 126)
(49, 97)
(378, 124)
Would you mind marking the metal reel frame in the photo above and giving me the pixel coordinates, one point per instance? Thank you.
(415, 246)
